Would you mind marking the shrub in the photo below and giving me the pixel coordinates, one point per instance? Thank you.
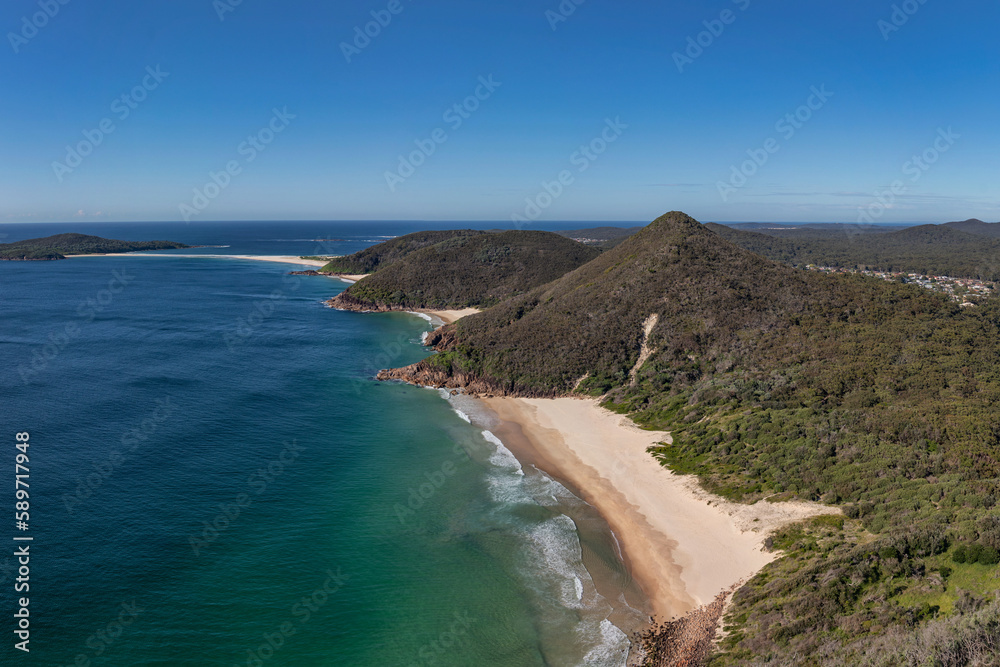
(959, 555)
(889, 552)
(989, 556)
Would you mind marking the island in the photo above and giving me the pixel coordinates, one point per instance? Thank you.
(62, 245)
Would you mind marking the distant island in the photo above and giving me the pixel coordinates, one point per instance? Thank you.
(62, 245)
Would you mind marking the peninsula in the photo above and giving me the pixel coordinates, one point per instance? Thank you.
(62, 245)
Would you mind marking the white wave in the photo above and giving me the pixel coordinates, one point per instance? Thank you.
(556, 546)
(421, 315)
(502, 458)
(612, 651)
(423, 337)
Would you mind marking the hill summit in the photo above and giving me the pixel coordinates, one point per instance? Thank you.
(690, 288)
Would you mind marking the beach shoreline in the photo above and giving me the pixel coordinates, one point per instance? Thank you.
(447, 316)
(682, 545)
(283, 259)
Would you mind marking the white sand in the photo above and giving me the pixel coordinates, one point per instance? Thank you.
(449, 316)
(350, 277)
(284, 259)
(682, 544)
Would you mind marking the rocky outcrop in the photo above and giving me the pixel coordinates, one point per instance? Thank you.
(429, 374)
(424, 374)
(686, 641)
(345, 301)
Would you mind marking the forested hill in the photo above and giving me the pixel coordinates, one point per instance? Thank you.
(467, 271)
(952, 249)
(879, 397)
(977, 227)
(383, 254)
(61, 245)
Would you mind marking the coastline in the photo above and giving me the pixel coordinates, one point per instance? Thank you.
(349, 277)
(448, 316)
(283, 259)
(682, 545)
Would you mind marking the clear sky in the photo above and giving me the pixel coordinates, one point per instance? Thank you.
(667, 123)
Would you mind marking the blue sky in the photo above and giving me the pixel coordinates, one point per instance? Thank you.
(704, 131)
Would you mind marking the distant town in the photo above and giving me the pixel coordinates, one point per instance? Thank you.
(966, 291)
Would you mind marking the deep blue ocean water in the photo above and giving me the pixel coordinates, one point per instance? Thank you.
(216, 479)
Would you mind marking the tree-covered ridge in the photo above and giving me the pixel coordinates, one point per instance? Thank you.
(383, 254)
(61, 245)
(877, 397)
(977, 227)
(953, 249)
(468, 271)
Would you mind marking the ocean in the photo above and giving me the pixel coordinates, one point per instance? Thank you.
(216, 479)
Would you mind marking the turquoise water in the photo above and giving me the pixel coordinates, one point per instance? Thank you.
(217, 480)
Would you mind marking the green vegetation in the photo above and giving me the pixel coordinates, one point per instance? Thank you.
(468, 271)
(383, 254)
(977, 227)
(61, 245)
(778, 383)
(963, 250)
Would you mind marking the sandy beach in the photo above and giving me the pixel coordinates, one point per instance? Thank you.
(284, 259)
(349, 277)
(449, 316)
(681, 544)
